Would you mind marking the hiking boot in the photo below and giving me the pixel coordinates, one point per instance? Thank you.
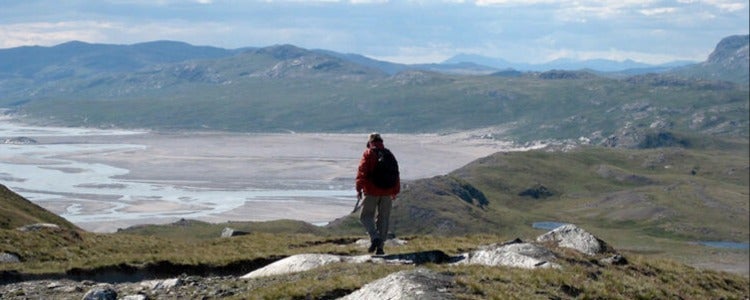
(375, 243)
(380, 251)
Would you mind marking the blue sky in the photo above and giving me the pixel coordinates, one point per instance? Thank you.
(529, 31)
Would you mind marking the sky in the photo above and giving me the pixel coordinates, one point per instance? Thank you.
(409, 31)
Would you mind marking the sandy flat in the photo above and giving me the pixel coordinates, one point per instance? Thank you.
(237, 162)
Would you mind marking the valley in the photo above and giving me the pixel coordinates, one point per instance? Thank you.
(103, 180)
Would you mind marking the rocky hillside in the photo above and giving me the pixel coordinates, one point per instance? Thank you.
(729, 61)
(663, 192)
(281, 88)
(662, 199)
(567, 262)
(16, 212)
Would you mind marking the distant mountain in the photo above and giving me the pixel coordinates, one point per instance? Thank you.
(729, 61)
(16, 211)
(76, 57)
(597, 65)
(465, 68)
(284, 87)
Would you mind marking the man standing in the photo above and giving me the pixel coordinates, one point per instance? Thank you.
(378, 182)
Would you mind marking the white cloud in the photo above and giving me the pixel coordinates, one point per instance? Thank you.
(418, 54)
(727, 5)
(51, 33)
(515, 2)
(658, 11)
(403, 31)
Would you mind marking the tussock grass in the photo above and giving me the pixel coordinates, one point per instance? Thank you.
(49, 251)
(16, 211)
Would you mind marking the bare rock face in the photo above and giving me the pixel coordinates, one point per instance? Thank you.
(230, 232)
(298, 263)
(102, 292)
(412, 284)
(518, 255)
(9, 258)
(39, 226)
(571, 236)
(165, 284)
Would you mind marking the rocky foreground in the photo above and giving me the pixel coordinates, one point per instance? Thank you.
(415, 283)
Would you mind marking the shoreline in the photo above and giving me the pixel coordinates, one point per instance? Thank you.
(103, 180)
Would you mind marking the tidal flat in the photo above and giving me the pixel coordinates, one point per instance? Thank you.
(103, 180)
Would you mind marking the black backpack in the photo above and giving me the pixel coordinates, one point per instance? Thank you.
(385, 174)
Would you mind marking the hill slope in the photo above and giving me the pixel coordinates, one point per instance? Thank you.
(658, 199)
(64, 266)
(728, 61)
(16, 211)
(284, 87)
(666, 192)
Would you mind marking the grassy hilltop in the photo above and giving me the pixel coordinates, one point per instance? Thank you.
(132, 256)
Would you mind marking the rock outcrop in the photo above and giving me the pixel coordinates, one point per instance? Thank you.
(39, 226)
(517, 255)
(573, 237)
(230, 232)
(411, 284)
(302, 262)
(102, 292)
(9, 258)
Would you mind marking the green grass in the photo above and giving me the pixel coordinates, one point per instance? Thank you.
(643, 278)
(16, 211)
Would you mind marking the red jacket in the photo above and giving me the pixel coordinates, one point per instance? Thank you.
(366, 164)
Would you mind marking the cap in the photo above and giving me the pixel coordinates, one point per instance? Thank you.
(374, 137)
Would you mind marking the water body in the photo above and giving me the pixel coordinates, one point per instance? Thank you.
(726, 245)
(547, 225)
(101, 197)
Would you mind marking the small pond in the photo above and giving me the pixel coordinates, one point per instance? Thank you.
(547, 225)
(726, 245)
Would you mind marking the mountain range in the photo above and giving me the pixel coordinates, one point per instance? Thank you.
(172, 85)
(627, 66)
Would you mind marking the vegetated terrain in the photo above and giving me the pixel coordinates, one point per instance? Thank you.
(654, 200)
(282, 88)
(211, 266)
(16, 211)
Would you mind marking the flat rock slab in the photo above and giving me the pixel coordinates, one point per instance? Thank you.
(573, 237)
(411, 284)
(295, 263)
(518, 255)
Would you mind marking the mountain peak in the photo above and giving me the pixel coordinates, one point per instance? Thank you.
(283, 52)
(731, 50)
